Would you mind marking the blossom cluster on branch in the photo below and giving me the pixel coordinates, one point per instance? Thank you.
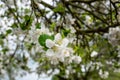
(79, 38)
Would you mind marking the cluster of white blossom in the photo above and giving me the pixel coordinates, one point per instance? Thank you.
(8, 41)
(58, 51)
(92, 66)
(69, 70)
(103, 74)
(95, 65)
(114, 36)
(24, 6)
(33, 35)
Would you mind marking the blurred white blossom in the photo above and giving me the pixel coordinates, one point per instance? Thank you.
(49, 43)
(103, 74)
(88, 20)
(94, 53)
(114, 36)
(76, 59)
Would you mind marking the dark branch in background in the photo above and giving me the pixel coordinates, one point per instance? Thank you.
(111, 12)
(17, 14)
(76, 9)
(47, 5)
(88, 2)
(98, 30)
(12, 56)
(96, 16)
(73, 15)
(116, 11)
(36, 8)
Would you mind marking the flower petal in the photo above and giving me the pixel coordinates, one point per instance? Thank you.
(65, 53)
(49, 43)
(58, 37)
(94, 53)
(65, 42)
(49, 53)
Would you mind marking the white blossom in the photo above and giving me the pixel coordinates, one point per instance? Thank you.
(83, 68)
(65, 42)
(103, 74)
(49, 43)
(94, 53)
(72, 29)
(50, 52)
(114, 36)
(76, 59)
(59, 51)
(58, 38)
(88, 20)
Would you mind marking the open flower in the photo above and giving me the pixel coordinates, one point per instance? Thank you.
(58, 51)
(57, 48)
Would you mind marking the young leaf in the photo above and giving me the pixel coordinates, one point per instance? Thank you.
(8, 31)
(38, 25)
(59, 8)
(42, 38)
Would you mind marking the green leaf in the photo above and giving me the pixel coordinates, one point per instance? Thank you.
(65, 32)
(42, 38)
(1, 41)
(27, 23)
(24, 67)
(14, 25)
(8, 31)
(52, 26)
(2, 36)
(38, 25)
(27, 10)
(4, 50)
(55, 77)
(59, 9)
